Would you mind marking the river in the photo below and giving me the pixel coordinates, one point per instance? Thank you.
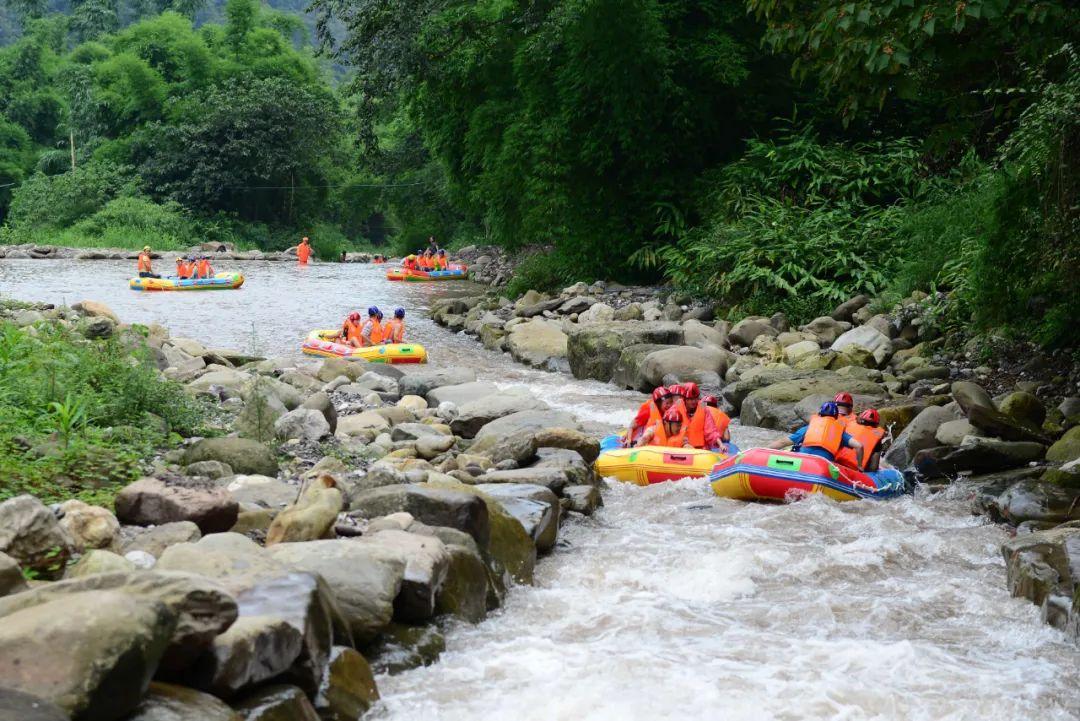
(671, 603)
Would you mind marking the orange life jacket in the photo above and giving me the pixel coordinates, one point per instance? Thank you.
(351, 330)
(204, 268)
(183, 270)
(721, 419)
(824, 432)
(144, 262)
(303, 252)
(376, 332)
(696, 430)
(441, 262)
(394, 331)
(408, 264)
(661, 438)
(869, 436)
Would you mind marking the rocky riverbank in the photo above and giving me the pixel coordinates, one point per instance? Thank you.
(218, 251)
(271, 570)
(1003, 425)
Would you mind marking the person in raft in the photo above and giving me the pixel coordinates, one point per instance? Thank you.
(203, 269)
(350, 330)
(143, 264)
(303, 251)
(441, 261)
(708, 428)
(868, 431)
(184, 269)
(394, 330)
(371, 332)
(671, 401)
(650, 412)
(432, 245)
(845, 407)
(670, 430)
(823, 436)
(410, 262)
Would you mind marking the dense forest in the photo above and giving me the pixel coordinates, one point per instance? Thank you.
(772, 154)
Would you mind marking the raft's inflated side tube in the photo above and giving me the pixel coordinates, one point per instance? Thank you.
(653, 464)
(318, 343)
(763, 474)
(220, 281)
(454, 272)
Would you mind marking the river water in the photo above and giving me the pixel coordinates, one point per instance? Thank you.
(671, 603)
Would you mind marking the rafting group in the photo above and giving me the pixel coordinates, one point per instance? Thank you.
(360, 333)
(193, 272)
(679, 433)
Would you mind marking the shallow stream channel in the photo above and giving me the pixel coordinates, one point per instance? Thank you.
(669, 603)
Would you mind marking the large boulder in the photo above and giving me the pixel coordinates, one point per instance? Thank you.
(1044, 567)
(847, 309)
(89, 526)
(1024, 407)
(598, 313)
(461, 394)
(360, 424)
(419, 383)
(96, 561)
(628, 371)
(303, 424)
(540, 343)
(531, 421)
(366, 578)
(153, 501)
(262, 491)
(553, 479)
(826, 329)
(280, 702)
(869, 338)
(473, 415)
(91, 653)
(683, 362)
(775, 406)
(426, 565)
(430, 505)
(535, 507)
(168, 702)
(920, 434)
(347, 689)
(700, 335)
(267, 592)
(747, 330)
(1066, 448)
(95, 309)
(321, 402)
(19, 706)
(977, 455)
(980, 410)
(464, 594)
(243, 455)
(1034, 500)
(155, 540)
(593, 349)
(229, 380)
(311, 517)
(31, 534)
(11, 577)
(570, 439)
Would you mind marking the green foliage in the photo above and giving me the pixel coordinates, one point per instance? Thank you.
(57, 201)
(78, 417)
(546, 272)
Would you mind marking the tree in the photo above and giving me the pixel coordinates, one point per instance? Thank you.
(240, 15)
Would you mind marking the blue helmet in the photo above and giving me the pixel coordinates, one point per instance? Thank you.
(373, 310)
(399, 313)
(828, 409)
(379, 315)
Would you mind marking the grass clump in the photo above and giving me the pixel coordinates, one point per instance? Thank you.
(80, 418)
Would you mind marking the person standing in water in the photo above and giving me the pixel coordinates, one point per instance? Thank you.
(303, 251)
(144, 267)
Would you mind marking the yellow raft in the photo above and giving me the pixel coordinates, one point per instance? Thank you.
(655, 464)
(220, 281)
(321, 343)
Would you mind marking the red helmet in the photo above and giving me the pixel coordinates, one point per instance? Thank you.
(673, 416)
(659, 394)
(711, 401)
(676, 390)
(843, 398)
(354, 316)
(691, 391)
(869, 417)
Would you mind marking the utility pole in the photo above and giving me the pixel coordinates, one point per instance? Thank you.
(71, 137)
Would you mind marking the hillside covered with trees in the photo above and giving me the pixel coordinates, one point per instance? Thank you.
(771, 154)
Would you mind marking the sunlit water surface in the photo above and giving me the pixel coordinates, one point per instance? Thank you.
(670, 603)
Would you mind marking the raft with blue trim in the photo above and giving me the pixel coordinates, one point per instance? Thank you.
(322, 343)
(454, 272)
(652, 464)
(763, 474)
(220, 281)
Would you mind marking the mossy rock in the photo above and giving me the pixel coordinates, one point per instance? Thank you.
(1067, 448)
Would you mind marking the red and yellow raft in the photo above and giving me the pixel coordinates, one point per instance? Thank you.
(655, 464)
(763, 474)
(322, 343)
(454, 272)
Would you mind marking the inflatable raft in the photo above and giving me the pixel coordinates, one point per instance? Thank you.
(221, 281)
(320, 343)
(762, 474)
(452, 273)
(652, 464)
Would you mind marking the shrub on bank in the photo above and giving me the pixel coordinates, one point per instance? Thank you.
(78, 417)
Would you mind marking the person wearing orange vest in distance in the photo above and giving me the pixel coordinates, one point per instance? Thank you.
(669, 431)
(203, 269)
(303, 251)
(823, 436)
(701, 431)
(441, 261)
(183, 272)
(371, 333)
(350, 330)
(143, 265)
(394, 330)
(409, 263)
(865, 429)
